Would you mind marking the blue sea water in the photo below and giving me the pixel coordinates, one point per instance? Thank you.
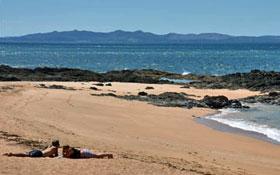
(216, 59)
(201, 59)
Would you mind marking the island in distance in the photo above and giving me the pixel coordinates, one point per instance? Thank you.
(136, 37)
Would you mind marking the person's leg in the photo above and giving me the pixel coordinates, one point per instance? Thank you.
(102, 156)
(87, 154)
(16, 155)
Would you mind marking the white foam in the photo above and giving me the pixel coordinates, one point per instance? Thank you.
(186, 73)
(271, 133)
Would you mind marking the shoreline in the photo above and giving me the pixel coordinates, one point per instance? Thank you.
(239, 121)
(222, 127)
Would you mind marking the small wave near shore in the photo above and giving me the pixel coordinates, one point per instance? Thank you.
(261, 119)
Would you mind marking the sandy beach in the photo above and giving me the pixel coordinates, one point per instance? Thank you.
(144, 139)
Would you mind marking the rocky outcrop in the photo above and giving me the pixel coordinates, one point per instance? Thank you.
(167, 99)
(219, 102)
(66, 74)
(94, 88)
(99, 84)
(149, 88)
(8, 78)
(272, 98)
(216, 102)
(173, 99)
(142, 93)
(255, 80)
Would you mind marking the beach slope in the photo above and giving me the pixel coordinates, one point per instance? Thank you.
(144, 139)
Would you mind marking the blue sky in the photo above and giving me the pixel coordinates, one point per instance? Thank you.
(237, 17)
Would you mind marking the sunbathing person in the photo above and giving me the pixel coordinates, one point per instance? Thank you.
(74, 153)
(51, 151)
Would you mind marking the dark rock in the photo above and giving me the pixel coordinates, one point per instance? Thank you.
(141, 76)
(105, 94)
(66, 74)
(173, 99)
(112, 94)
(274, 94)
(149, 88)
(272, 99)
(219, 102)
(142, 93)
(57, 87)
(167, 99)
(216, 102)
(99, 84)
(172, 96)
(9, 79)
(43, 85)
(94, 88)
(108, 84)
(235, 104)
(255, 80)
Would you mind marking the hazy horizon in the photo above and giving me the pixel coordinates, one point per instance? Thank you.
(238, 18)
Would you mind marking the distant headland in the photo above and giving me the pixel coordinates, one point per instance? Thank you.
(137, 37)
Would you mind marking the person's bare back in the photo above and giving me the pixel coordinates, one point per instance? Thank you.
(51, 151)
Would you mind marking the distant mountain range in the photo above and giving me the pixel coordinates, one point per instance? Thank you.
(137, 37)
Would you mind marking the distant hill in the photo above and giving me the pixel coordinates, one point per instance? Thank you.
(137, 37)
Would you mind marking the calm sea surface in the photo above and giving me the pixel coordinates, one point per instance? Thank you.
(201, 59)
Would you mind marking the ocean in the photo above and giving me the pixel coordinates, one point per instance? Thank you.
(214, 59)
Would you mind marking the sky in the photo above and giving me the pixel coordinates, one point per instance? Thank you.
(236, 17)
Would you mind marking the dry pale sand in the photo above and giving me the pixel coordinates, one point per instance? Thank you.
(145, 139)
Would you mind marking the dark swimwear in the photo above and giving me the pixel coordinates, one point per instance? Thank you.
(76, 154)
(35, 153)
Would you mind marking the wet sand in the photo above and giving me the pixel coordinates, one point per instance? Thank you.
(145, 139)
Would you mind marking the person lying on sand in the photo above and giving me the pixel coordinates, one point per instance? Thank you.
(74, 153)
(51, 151)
